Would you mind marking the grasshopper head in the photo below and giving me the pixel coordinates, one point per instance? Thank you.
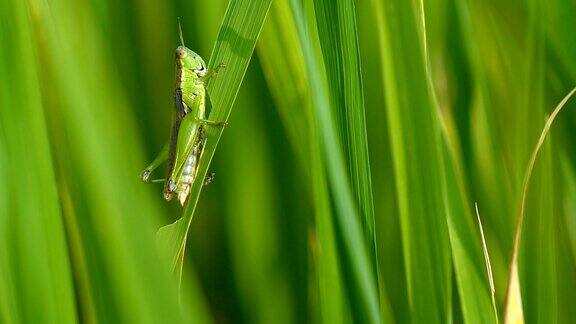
(190, 60)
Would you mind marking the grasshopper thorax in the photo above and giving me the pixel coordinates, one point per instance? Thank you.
(189, 60)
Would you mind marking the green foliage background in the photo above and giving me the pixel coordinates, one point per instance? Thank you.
(361, 134)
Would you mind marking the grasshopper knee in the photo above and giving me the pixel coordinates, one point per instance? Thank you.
(145, 175)
(171, 185)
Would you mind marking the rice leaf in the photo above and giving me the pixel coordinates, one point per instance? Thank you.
(514, 312)
(283, 62)
(35, 278)
(236, 41)
(355, 256)
(417, 152)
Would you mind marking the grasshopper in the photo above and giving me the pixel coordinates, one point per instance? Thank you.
(188, 136)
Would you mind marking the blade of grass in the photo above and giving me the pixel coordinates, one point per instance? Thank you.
(338, 35)
(513, 307)
(566, 230)
(355, 258)
(417, 151)
(260, 260)
(537, 259)
(283, 62)
(570, 204)
(476, 290)
(475, 286)
(487, 262)
(538, 255)
(236, 41)
(491, 178)
(339, 41)
(35, 277)
(110, 218)
(560, 50)
(392, 292)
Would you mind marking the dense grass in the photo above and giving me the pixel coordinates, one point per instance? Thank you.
(361, 136)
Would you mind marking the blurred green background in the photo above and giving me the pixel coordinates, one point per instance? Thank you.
(362, 136)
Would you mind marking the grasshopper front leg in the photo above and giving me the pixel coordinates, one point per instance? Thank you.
(213, 72)
(213, 123)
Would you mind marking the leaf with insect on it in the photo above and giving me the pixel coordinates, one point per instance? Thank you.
(236, 41)
(167, 241)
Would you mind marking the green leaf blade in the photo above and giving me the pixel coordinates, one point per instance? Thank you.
(236, 41)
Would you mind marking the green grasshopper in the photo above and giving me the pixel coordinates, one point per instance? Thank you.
(184, 149)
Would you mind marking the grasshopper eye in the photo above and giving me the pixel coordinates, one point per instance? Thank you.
(180, 52)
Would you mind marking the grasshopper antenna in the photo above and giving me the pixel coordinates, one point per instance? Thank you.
(180, 32)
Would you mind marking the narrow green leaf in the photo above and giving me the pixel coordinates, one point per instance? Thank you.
(566, 234)
(282, 57)
(470, 256)
(236, 41)
(492, 180)
(470, 269)
(168, 240)
(569, 204)
(259, 256)
(513, 299)
(35, 278)
(339, 41)
(355, 258)
(109, 218)
(418, 163)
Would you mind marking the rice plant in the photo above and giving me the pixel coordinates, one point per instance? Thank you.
(383, 161)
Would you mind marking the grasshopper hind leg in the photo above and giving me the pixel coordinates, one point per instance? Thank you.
(162, 156)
